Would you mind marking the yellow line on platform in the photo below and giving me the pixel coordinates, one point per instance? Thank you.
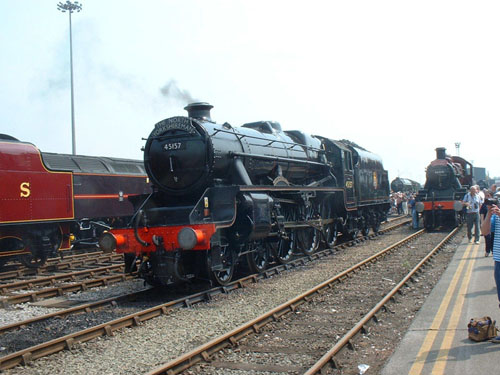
(424, 351)
(442, 357)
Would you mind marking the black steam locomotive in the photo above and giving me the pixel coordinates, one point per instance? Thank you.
(405, 185)
(447, 181)
(224, 193)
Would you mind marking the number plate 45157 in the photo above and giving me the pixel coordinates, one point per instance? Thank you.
(174, 146)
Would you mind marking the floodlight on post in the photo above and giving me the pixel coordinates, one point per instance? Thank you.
(71, 7)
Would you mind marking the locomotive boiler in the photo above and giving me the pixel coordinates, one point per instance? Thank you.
(447, 181)
(405, 185)
(224, 194)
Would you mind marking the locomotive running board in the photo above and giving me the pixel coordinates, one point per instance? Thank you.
(291, 188)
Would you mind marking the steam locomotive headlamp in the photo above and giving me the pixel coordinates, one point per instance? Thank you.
(458, 206)
(109, 242)
(188, 238)
(419, 206)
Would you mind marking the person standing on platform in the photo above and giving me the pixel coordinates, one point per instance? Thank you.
(491, 224)
(483, 211)
(480, 193)
(472, 202)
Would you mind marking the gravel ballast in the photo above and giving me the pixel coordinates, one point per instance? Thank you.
(139, 349)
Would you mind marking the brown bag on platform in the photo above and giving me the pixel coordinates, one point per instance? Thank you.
(481, 329)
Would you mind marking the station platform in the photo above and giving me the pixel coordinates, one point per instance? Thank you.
(437, 341)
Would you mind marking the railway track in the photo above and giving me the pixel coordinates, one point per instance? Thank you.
(92, 259)
(289, 337)
(60, 290)
(85, 279)
(52, 280)
(108, 328)
(85, 259)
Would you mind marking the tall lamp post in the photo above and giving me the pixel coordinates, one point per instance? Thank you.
(457, 146)
(70, 7)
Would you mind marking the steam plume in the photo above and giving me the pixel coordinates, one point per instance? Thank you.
(171, 91)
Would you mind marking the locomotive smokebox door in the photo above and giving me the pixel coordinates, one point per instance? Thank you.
(178, 155)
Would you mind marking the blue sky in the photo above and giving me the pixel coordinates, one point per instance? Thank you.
(399, 78)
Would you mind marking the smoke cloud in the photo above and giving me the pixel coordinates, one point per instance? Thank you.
(171, 91)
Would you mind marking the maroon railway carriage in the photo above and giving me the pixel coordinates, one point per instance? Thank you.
(49, 201)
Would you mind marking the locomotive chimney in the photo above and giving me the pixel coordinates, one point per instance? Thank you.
(199, 110)
(440, 153)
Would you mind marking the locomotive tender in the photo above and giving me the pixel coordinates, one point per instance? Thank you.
(49, 201)
(224, 193)
(447, 181)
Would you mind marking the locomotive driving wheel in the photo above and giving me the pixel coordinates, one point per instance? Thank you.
(332, 234)
(258, 257)
(353, 230)
(376, 224)
(283, 248)
(353, 233)
(309, 238)
(221, 261)
(330, 229)
(366, 223)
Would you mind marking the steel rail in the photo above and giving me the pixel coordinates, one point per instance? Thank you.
(54, 260)
(51, 280)
(66, 342)
(61, 290)
(112, 301)
(345, 340)
(72, 256)
(79, 260)
(84, 285)
(204, 352)
(87, 307)
(27, 355)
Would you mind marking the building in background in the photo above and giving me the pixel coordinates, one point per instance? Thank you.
(479, 173)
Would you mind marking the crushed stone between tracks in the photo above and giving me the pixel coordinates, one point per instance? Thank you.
(140, 349)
